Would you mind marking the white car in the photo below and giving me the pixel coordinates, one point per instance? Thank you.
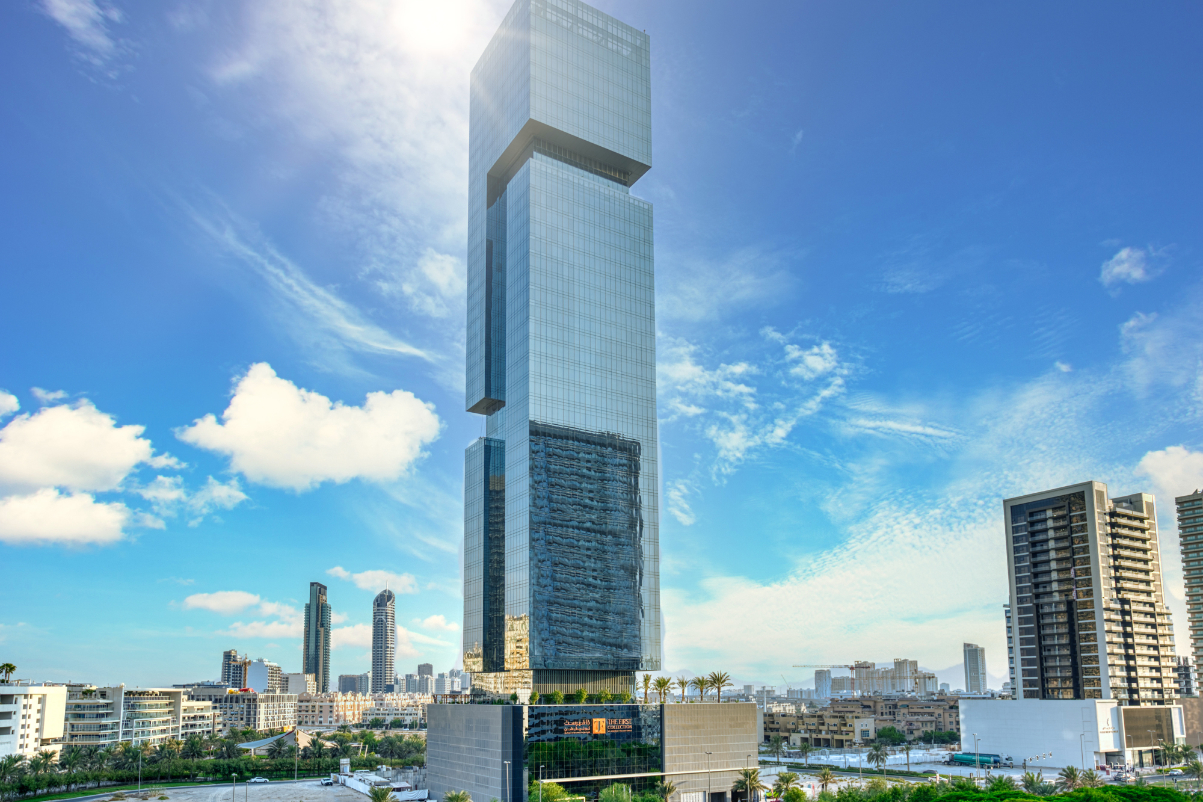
(258, 780)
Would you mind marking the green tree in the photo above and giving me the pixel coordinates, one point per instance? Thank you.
(277, 748)
(1091, 779)
(1069, 779)
(805, 748)
(580, 696)
(717, 680)
(1032, 782)
(1001, 782)
(534, 697)
(625, 697)
(645, 682)
(549, 791)
(7, 669)
(666, 787)
(878, 755)
(794, 795)
(702, 684)
(376, 723)
(683, 684)
(514, 697)
(906, 749)
(10, 767)
(785, 781)
(891, 736)
(826, 778)
(382, 794)
(396, 724)
(776, 747)
(615, 793)
(749, 782)
(662, 686)
(557, 697)
(457, 796)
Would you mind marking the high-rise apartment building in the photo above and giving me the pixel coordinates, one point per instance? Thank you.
(561, 512)
(1010, 649)
(299, 683)
(1086, 595)
(384, 640)
(425, 670)
(315, 648)
(823, 683)
(355, 683)
(1190, 538)
(1188, 682)
(233, 668)
(975, 668)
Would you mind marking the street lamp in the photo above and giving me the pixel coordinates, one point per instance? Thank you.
(233, 786)
(507, 781)
(709, 789)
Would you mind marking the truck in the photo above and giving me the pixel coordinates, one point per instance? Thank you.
(979, 759)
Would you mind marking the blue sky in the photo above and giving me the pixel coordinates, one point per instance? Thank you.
(911, 259)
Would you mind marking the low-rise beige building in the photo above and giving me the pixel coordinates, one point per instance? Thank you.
(248, 709)
(336, 709)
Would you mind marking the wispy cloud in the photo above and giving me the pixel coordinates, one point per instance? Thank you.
(377, 579)
(1130, 266)
(307, 309)
(87, 23)
(695, 289)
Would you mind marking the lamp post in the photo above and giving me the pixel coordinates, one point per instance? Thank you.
(233, 786)
(507, 780)
(540, 784)
(709, 789)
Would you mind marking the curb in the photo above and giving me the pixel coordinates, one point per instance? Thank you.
(127, 791)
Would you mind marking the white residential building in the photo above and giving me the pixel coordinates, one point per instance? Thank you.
(300, 683)
(264, 676)
(93, 715)
(248, 709)
(31, 718)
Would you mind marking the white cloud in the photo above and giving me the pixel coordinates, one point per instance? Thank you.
(76, 447)
(678, 493)
(1064, 367)
(376, 580)
(351, 637)
(226, 602)
(87, 23)
(265, 629)
(698, 290)
(47, 516)
(811, 363)
(168, 495)
(438, 623)
(398, 147)
(8, 403)
(280, 435)
(1175, 471)
(1128, 266)
(47, 396)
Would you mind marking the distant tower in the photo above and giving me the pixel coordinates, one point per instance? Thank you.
(315, 650)
(975, 668)
(384, 639)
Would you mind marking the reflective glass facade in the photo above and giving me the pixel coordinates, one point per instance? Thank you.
(561, 356)
(577, 741)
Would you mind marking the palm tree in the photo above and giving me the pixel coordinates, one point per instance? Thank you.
(1032, 782)
(683, 684)
(662, 685)
(906, 748)
(825, 777)
(1194, 769)
(702, 684)
(1069, 779)
(70, 758)
(666, 787)
(646, 683)
(776, 747)
(785, 781)
(457, 796)
(1091, 779)
(719, 680)
(10, 767)
(805, 748)
(7, 669)
(749, 782)
(1001, 782)
(878, 756)
(277, 748)
(383, 794)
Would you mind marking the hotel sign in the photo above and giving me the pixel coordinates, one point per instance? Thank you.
(597, 726)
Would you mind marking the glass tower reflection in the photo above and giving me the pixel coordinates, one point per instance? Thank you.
(561, 541)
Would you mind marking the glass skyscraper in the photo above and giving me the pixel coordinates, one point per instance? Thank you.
(315, 648)
(561, 542)
(384, 640)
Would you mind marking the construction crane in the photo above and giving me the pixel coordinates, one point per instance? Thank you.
(850, 670)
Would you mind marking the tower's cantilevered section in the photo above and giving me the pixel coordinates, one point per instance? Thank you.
(561, 541)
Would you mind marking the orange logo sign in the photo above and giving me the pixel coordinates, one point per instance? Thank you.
(599, 726)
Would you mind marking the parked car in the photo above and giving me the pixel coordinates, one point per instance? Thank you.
(1174, 772)
(327, 781)
(259, 780)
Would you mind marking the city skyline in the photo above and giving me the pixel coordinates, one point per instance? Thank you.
(902, 275)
